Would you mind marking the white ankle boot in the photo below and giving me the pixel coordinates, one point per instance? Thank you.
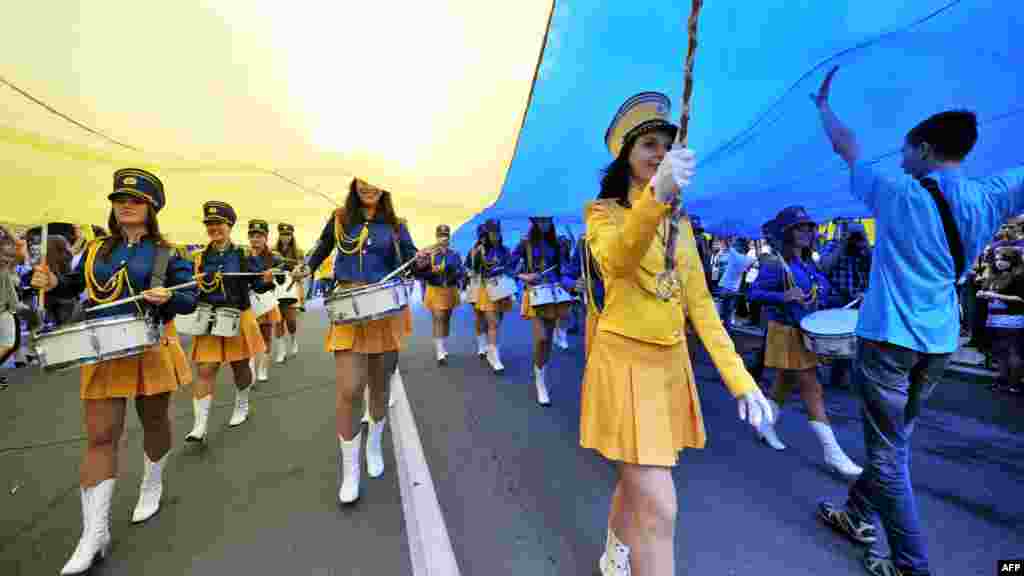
(95, 540)
(835, 458)
(481, 345)
(615, 560)
(151, 489)
(766, 431)
(201, 412)
(542, 387)
(294, 345)
(495, 359)
(349, 469)
(374, 450)
(241, 413)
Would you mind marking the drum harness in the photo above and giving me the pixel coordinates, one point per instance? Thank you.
(114, 287)
(357, 242)
(242, 299)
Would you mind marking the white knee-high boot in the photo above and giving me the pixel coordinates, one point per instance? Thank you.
(835, 458)
(615, 560)
(349, 469)
(201, 412)
(241, 412)
(151, 489)
(374, 450)
(95, 540)
(539, 373)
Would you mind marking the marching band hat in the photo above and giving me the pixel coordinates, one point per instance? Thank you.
(216, 212)
(283, 228)
(261, 226)
(140, 184)
(443, 230)
(792, 216)
(644, 113)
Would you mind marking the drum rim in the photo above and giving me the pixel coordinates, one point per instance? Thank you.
(371, 318)
(106, 320)
(365, 288)
(837, 312)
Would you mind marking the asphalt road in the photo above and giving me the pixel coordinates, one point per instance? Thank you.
(517, 494)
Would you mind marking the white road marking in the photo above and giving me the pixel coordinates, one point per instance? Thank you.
(430, 548)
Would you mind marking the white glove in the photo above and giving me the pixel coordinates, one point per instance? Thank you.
(674, 174)
(754, 408)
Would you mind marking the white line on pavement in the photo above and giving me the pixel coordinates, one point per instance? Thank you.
(430, 548)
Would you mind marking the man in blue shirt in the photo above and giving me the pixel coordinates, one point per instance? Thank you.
(909, 320)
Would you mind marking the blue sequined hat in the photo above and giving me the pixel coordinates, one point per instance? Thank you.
(215, 212)
(139, 184)
(261, 226)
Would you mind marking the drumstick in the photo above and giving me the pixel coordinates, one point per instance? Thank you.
(997, 296)
(398, 270)
(855, 301)
(116, 303)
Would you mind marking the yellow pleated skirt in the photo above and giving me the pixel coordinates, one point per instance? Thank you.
(639, 403)
(160, 369)
(785, 349)
(272, 317)
(373, 337)
(546, 312)
(217, 349)
(440, 299)
(485, 304)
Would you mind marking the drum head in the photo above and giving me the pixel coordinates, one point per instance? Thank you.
(831, 322)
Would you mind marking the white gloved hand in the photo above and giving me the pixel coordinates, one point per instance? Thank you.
(755, 408)
(674, 174)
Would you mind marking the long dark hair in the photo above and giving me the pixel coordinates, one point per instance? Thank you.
(268, 252)
(806, 254)
(117, 234)
(352, 211)
(537, 238)
(617, 177)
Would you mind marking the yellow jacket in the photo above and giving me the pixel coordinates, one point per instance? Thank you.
(623, 244)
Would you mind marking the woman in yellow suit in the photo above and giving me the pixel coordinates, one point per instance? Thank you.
(639, 403)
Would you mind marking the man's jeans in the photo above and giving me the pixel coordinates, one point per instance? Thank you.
(729, 300)
(893, 383)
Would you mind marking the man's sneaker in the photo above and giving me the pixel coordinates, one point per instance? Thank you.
(841, 521)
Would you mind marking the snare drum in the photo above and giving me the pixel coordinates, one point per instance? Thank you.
(285, 295)
(226, 322)
(830, 333)
(370, 302)
(198, 323)
(95, 341)
(500, 287)
(262, 303)
(543, 294)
